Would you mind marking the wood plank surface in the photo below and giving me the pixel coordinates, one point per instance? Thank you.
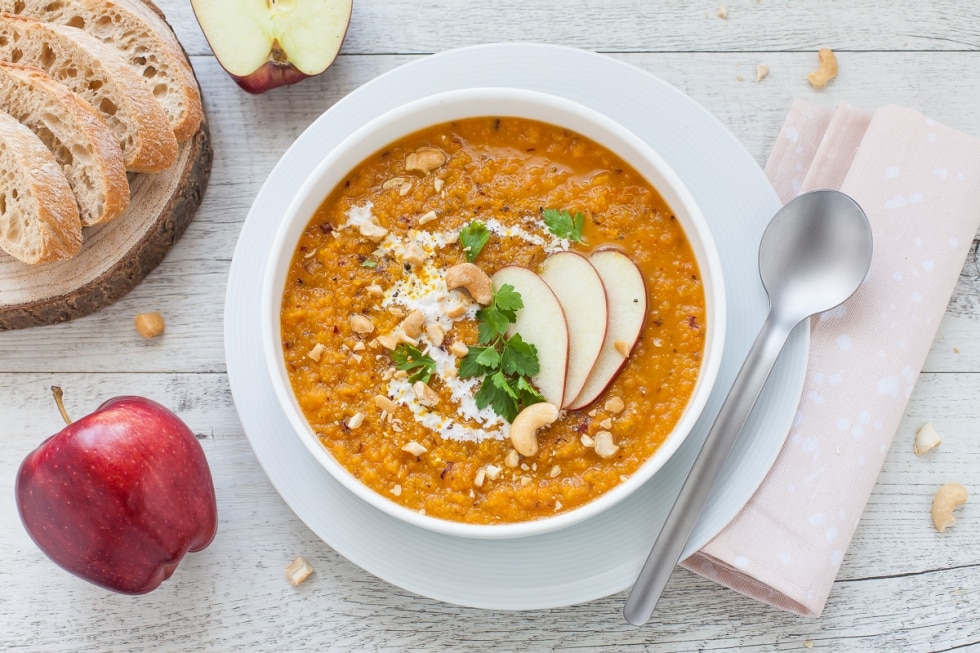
(902, 586)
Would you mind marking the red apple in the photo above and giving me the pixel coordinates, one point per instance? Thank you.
(263, 44)
(119, 496)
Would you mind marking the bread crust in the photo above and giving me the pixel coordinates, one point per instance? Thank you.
(144, 40)
(32, 183)
(83, 145)
(97, 73)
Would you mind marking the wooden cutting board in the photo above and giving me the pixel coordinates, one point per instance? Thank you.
(115, 256)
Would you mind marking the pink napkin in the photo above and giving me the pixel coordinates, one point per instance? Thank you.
(919, 183)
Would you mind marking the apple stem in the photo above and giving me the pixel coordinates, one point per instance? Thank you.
(59, 399)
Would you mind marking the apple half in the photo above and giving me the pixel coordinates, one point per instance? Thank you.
(263, 44)
(627, 296)
(541, 323)
(581, 293)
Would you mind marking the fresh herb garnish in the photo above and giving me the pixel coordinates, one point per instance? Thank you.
(368, 263)
(504, 363)
(473, 237)
(563, 224)
(409, 358)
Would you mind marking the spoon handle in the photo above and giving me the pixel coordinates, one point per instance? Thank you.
(718, 444)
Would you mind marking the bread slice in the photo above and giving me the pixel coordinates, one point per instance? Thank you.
(145, 41)
(38, 216)
(97, 73)
(81, 143)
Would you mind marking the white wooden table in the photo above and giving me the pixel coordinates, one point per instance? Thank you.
(902, 587)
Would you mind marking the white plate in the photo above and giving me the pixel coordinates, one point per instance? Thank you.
(599, 556)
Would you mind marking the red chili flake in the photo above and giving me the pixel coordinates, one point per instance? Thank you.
(326, 227)
(693, 322)
(448, 470)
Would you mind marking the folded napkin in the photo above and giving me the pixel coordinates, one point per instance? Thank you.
(919, 183)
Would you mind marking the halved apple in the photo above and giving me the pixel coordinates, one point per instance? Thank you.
(263, 44)
(627, 296)
(582, 296)
(542, 323)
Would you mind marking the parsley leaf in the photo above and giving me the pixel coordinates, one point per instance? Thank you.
(473, 237)
(368, 263)
(409, 358)
(563, 224)
(504, 363)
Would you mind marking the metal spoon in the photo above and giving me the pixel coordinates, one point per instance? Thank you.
(814, 254)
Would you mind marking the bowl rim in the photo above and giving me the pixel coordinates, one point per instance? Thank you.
(439, 108)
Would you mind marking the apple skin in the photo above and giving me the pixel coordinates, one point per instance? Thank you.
(119, 496)
(270, 75)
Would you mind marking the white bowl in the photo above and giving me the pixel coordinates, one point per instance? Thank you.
(476, 102)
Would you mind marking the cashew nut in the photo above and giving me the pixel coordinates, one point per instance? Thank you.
(926, 439)
(412, 325)
(826, 69)
(948, 498)
(604, 445)
(361, 323)
(473, 279)
(424, 394)
(524, 429)
(413, 254)
(425, 160)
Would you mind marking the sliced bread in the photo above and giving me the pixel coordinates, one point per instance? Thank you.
(82, 144)
(99, 75)
(145, 41)
(38, 216)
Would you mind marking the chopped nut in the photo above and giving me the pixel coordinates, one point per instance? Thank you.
(361, 324)
(375, 290)
(356, 420)
(149, 325)
(926, 439)
(412, 325)
(622, 347)
(593, 412)
(395, 311)
(425, 395)
(481, 475)
(414, 254)
(761, 72)
(555, 471)
(604, 445)
(396, 426)
(525, 481)
(397, 490)
(457, 310)
(405, 189)
(316, 352)
(492, 472)
(357, 358)
(391, 183)
(388, 341)
(298, 571)
(385, 404)
(400, 374)
(425, 160)
(388, 374)
(437, 184)
(359, 346)
(722, 12)
(948, 498)
(458, 349)
(428, 217)
(407, 339)
(414, 448)
(615, 405)
(587, 440)
(372, 230)
(435, 333)
(606, 424)
(557, 505)
(512, 458)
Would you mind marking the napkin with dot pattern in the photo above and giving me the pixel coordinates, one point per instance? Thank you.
(919, 183)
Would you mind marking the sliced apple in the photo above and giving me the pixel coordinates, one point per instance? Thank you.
(542, 323)
(263, 44)
(582, 296)
(627, 296)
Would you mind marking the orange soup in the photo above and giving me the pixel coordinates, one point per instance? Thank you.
(374, 339)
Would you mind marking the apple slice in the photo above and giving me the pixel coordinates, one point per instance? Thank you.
(583, 299)
(627, 295)
(263, 44)
(541, 323)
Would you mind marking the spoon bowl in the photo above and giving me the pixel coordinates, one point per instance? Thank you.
(814, 254)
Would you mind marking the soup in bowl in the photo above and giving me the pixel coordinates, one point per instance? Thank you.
(493, 312)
